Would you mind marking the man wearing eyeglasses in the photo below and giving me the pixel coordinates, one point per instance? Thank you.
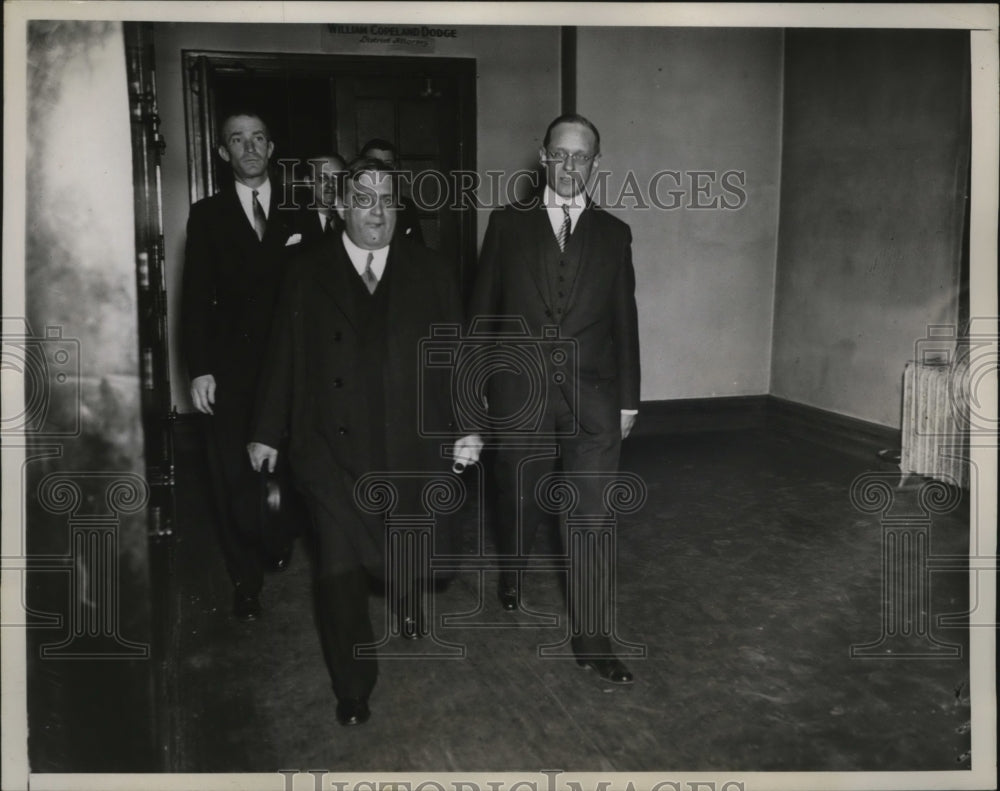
(561, 262)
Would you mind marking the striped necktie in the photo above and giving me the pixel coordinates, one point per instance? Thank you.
(564, 231)
(371, 282)
(259, 218)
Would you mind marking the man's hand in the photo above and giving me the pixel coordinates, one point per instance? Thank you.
(628, 421)
(262, 456)
(466, 450)
(203, 393)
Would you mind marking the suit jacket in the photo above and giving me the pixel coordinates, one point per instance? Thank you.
(408, 221)
(597, 311)
(306, 222)
(310, 385)
(231, 282)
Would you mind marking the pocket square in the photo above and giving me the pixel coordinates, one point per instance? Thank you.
(295, 238)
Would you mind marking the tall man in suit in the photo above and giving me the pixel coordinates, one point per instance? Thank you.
(562, 261)
(342, 377)
(234, 261)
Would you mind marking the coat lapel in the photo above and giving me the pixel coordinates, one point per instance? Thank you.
(244, 235)
(408, 295)
(278, 228)
(575, 249)
(334, 268)
(541, 242)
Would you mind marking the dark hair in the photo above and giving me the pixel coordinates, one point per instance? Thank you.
(247, 111)
(361, 165)
(328, 155)
(380, 144)
(573, 118)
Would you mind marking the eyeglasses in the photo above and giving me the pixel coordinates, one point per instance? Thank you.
(565, 156)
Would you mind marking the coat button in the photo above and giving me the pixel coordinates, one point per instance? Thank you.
(548, 314)
(336, 335)
(341, 430)
(338, 383)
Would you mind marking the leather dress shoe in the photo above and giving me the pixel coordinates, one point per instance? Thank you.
(412, 620)
(610, 669)
(246, 606)
(508, 594)
(281, 562)
(353, 711)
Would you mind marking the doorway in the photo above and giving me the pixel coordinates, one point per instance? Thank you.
(318, 103)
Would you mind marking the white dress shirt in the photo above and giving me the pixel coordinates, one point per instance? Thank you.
(553, 203)
(359, 257)
(245, 194)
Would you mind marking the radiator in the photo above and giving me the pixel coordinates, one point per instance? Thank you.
(935, 439)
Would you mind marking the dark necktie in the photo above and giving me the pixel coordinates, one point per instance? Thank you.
(564, 231)
(259, 218)
(328, 224)
(371, 282)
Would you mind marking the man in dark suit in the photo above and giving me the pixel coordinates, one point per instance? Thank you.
(562, 262)
(234, 261)
(342, 377)
(319, 216)
(408, 224)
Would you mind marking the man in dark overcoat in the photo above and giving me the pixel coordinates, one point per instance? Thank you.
(343, 376)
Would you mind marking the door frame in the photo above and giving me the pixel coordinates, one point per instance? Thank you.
(199, 68)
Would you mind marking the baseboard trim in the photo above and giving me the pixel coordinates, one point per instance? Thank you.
(691, 415)
(732, 413)
(830, 429)
(766, 412)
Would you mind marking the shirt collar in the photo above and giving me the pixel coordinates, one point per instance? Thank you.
(245, 194)
(359, 256)
(552, 199)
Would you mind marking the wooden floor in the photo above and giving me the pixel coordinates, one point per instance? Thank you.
(743, 583)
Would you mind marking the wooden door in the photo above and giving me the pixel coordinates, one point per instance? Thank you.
(420, 115)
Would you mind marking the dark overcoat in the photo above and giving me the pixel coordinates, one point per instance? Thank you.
(314, 387)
